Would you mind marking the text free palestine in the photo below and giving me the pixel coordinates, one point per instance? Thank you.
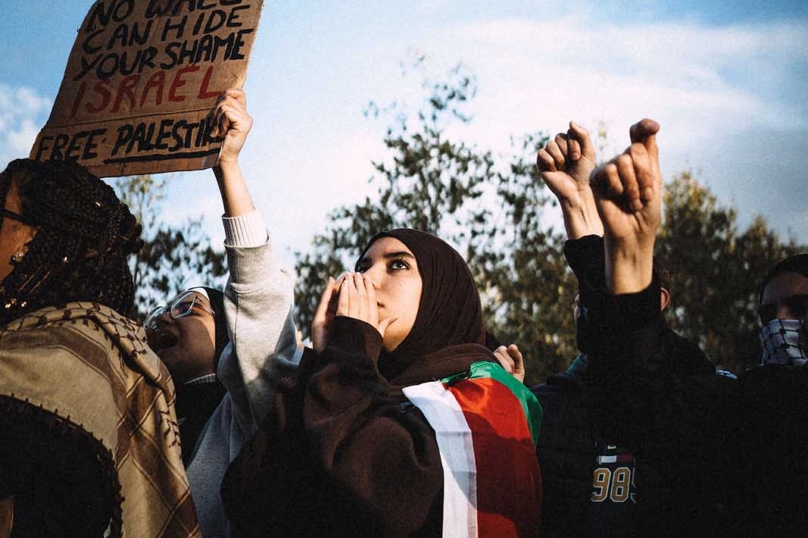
(167, 135)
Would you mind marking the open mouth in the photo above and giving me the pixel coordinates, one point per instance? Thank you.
(162, 340)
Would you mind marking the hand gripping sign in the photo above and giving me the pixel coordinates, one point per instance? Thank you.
(141, 81)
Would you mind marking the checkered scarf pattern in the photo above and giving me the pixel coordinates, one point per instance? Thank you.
(781, 343)
(89, 366)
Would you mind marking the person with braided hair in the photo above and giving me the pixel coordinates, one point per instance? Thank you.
(81, 237)
(89, 436)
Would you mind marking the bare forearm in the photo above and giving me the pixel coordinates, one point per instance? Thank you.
(581, 216)
(629, 264)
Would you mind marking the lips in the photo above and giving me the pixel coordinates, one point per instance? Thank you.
(162, 340)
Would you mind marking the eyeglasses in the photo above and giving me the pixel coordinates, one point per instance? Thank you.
(180, 307)
(7, 213)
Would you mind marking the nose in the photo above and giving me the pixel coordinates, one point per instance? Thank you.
(784, 312)
(154, 322)
(375, 274)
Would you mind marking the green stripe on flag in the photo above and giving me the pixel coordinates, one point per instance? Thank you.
(530, 405)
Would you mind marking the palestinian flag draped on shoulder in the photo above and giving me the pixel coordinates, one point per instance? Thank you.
(486, 423)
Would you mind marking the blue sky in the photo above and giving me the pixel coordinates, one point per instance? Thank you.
(727, 81)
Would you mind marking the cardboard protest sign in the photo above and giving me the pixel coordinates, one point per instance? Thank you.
(141, 81)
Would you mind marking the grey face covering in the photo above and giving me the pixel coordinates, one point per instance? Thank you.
(784, 342)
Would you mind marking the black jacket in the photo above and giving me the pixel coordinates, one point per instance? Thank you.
(194, 406)
(642, 388)
(340, 456)
(772, 461)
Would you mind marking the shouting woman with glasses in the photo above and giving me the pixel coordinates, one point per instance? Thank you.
(189, 335)
(183, 334)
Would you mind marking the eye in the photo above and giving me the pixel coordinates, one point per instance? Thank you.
(398, 264)
(799, 307)
(184, 305)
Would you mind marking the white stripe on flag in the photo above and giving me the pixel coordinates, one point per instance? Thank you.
(453, 435)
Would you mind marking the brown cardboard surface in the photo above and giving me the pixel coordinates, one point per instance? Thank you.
(142, 77)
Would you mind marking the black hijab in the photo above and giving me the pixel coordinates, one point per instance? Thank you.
(216, 300)
(449, 312)
(794, 264)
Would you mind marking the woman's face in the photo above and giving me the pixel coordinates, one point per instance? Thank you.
(187, 345)
(14, 234)
(393, 270)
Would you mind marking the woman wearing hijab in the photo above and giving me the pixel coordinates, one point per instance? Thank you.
(400, 422)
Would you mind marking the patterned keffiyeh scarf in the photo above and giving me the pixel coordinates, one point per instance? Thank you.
(783, 342)
(83, 377)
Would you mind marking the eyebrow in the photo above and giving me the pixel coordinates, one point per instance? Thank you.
(788, 299)
(388, 256)
(199, 297)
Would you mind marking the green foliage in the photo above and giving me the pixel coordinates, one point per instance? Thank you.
(494, 210)
(444, 186)
(518, 262)
(716, 271)
(172, 256)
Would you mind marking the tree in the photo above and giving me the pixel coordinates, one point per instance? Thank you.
(716, 271)
(417, 188)
(444, 186)
(172, 256)
(528, 289)
(494, 210)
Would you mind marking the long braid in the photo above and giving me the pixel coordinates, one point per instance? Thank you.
(84, 235)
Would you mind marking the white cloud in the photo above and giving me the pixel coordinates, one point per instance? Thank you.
(713, 89)
(21, 140)
(706, 85)
(550, 70)
(22, 113)
(310, 148)
(29, 102)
